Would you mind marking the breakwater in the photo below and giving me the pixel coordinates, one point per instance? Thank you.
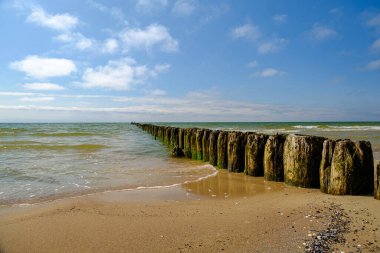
(339, 167)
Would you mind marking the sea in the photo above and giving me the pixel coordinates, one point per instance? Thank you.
(47, 161)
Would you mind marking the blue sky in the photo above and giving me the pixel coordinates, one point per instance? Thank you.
(189, 60)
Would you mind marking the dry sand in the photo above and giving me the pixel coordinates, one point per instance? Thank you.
(225, 213)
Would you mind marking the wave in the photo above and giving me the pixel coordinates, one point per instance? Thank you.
(6, 131)
(305, 127)
(64, 134)
(353, 128)
(18, 142)
(94, 191)
(83, 147)
(329, 128)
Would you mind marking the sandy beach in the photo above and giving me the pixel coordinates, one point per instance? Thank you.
(225, 213)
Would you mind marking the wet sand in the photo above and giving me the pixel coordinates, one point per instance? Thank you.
(225, 213)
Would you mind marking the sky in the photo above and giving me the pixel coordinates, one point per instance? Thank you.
(189, 60)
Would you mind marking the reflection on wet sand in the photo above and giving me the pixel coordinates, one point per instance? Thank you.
(225, 185)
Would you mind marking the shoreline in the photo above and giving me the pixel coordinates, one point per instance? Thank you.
(254, 216)
(83, 193)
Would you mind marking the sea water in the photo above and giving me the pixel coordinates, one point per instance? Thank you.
(48, 161)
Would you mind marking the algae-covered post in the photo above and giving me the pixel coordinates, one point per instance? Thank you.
(181, 138)
(206, 145)
(159, 132)
(351, 168)
(174, 136)
(302, 158)
(236, 151)
(273, 158)
(187, 142)
(377, 181)
(213, 149)
(167, 135)
(193, 141)
(222, 150)
(198, 141)
(254, 154)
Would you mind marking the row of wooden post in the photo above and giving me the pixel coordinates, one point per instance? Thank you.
(337, 167)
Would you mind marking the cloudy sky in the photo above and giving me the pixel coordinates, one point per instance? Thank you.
(189, 60)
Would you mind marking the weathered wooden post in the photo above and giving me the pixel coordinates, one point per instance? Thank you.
(206, 145)
(325, 166)
(302, 158)
(254, 154)
(198, 141)
(187, 142)
(181, 138)
(167, 135)
(236, 151)
(159, 132)
(273, 158)
(377, 181)
(174, 136)
(222, 161)
(194, 143)
(347, 167)
(213, 149)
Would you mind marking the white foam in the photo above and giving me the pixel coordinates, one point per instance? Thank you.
(215, 172)
(305, 127)
(351, 128)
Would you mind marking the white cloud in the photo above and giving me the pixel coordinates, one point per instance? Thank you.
(321, 33)
(247, 31)
(373, 65)
(39, 67)
(184, 7)
(37, 99)
(337, 12)
(252, 64)
(272, 46)
(151, 36)
(42, 86)
(114, 12)
(210, 13)
(61, 22)
(84, 43)
(376, 45)
(150, 5)
(78, 40)
(110, 46)
(158, 69)
(16, 94)
(32, 94)
(195, 106)
(156, 92)
(374, 22)
(65, 37)
(253, 34)
(269, 72)
(116, 75)
(64, 23)
(280, 18)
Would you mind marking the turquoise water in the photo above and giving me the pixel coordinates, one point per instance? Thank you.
(48, 161)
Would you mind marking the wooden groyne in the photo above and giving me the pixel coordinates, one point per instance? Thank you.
(339, 167)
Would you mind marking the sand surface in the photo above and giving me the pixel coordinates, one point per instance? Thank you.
(225, 213)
